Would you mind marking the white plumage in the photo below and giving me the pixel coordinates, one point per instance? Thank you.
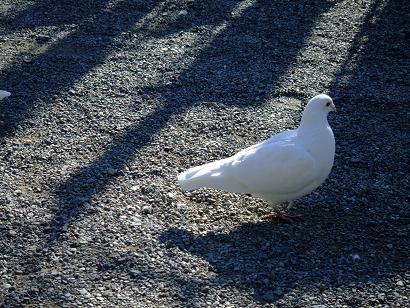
(4, 94)
(284, 167)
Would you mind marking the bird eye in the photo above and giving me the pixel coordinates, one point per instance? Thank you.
(328, 104)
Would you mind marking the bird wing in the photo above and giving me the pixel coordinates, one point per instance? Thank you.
(281, 165)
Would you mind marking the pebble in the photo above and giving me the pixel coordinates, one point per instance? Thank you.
(146, 209)
(111, 171)
(83, 291)
(400, 283)
(27, 141)
(6, 286)
(180, 206)
(170, 195)
(355, 257)
(148, 189)
(27, 59)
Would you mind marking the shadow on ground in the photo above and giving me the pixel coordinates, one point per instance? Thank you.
(268, 260)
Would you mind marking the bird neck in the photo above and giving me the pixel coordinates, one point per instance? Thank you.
(317, 137)
(310, 121)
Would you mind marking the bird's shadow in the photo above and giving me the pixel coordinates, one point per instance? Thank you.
(268, 259)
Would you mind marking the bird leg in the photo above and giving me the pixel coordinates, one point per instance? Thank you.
(278, 215)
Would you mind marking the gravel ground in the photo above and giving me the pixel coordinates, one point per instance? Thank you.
(112, 98)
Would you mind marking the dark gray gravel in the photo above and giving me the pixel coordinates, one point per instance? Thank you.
(111, 99)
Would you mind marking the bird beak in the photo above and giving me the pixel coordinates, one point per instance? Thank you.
(333, 107)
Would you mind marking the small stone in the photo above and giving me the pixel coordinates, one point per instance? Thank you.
(183, 13)
(6, 286)
(148, 189)
(400, 283)
(12, 233)
(111, 171)
(390, 246)
(136, 221)
(27, 141)
(355, 257)
(134, 188)
(83, 291)
(171, 195)
(27, 59)
(146, 209)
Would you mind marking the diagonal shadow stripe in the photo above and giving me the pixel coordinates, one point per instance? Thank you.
(67, 60)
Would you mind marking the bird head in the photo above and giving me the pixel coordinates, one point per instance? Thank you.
(321, 103)
(316, 110)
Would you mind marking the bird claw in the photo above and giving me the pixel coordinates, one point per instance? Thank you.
(283, 217)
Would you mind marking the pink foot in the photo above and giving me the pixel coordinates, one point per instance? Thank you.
(283, 217)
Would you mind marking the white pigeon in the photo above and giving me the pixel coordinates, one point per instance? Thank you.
(4, 94)
(282, 168)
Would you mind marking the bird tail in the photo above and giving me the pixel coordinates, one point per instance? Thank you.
(4, 94)
(208, 175)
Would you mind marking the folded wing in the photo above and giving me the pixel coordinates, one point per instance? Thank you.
(280, 167)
